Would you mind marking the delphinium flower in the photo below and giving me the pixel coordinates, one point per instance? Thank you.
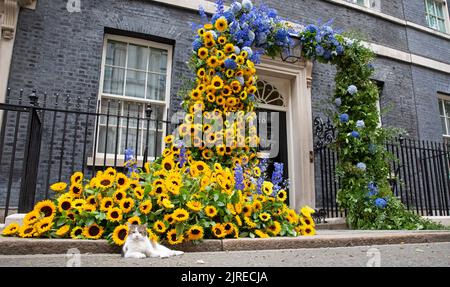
(355, 134)
(130, 161)
(362, 166)
(182, 158)
(277, 177)
(239, 177)
(360, 124)
(373, 189)
(352, 89)
(344, 118)
(380, 202)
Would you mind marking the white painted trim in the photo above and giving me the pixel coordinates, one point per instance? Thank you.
(378, 49)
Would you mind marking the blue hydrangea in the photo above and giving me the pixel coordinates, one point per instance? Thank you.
(248, 50)
(380, 202)
(236, 7)
(197, 44)
(355, 134)
(338, 102)
(352, 89)
(247, 5)
(237, 50)
(241, 80)
(360, 124)
(362, 166)
(230, 64)
(344, 118)
(339, 50)
(319, 50)
(311, 28)
(373, 189)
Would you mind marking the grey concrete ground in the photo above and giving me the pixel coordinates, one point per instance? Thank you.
(430, 254)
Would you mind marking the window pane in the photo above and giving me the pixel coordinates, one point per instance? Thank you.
(108, 136)
(116, 53)
(441, 25)
(441, 108)
(430, 7)
(152, 142)
(439, 10)
(433, 22)
(129, 142)
(158, 61)
(447, 108)
(360, 2)
(135, 84)
(113, 111)
(114, 80)
(156, 87)
(137, 57)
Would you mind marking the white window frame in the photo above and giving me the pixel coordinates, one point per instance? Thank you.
(445, 13)
(99, 157)
(366, 3)
(441, 99)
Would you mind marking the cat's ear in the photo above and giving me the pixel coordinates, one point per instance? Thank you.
(145, 225)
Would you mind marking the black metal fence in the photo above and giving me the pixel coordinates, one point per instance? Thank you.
(420, 177)
(45, 138)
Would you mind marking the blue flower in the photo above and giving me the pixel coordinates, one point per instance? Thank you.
(339, 49)
(360, 124)
(372, 148)
(277, 175)
(241, 80)
(338, 102)
(247, 5)
(237, 50)
(311, 28)
(239, 177)
(362, 166)
(355, 134)
(197, 44)
(380, 202)
(248, 50)
(236, 7)
(251, 35)
(130, 162)
(230, 64)
(373, 189)
(352, 89)
(344, 118)
(319, 50)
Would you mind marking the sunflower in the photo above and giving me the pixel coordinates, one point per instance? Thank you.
(173, 238)
(139, 192)
(210, 211)
(307, 221)
(31, 217)
(70, 216)
(212, 61)
(249, 222)
(114, 214)
(145, 207)
(228, 227)
(202, 53)
(89, 207)
(46, 207)
(152, 236)
(256, 205)
(120, 234)
(217, 82)
(159, 226)
(27, 231)
(181, 215)
(158, 189)
(167, 203)
(110, 171)
(218, 230)
(78, 204)
(106, 203)
(308, 230)
(267, 188)
(275, 228)
(44, 225)
(76, 190)
(261, 234)
(63, 230)
(76, 232)
(127, 204)
(247, 210)
(264, 216)
(194, 205)
(195, 232)
(11, 229)
(229, 48)
(122, 181)
(257, 171)
(134, 220)
(105, 181)
(168, 163)
(282, 195)
(306, 211)
(77, 177)
(59, 186)
(119, 195)
(169, 218)
(93, 231)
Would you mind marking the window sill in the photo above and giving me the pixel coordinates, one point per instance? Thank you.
(110, 161)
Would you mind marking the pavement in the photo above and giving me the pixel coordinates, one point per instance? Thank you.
(395, 255)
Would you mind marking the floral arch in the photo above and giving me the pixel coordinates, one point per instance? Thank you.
(210, 187)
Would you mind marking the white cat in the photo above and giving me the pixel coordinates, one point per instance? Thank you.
(138, 245)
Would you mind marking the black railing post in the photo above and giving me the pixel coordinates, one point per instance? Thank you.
(148, 114)
(31, 158)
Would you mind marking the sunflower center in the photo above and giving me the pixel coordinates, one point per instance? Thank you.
(121, 181)
(195, 231)
(76, 190)
(28, 230)
(119, 196)
(167, 166)
(122, 234)
(218, 231)
(126, 204)
(105, 182)
(78, 232)
(65, 205)
(173, 237)
(114, 214)
(108, 204)
(227, 227)
(94, 231)
(47, 210)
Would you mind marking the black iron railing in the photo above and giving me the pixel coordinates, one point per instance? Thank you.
(45, 138)
(419, 176)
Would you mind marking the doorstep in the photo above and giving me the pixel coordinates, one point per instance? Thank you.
(323, 239)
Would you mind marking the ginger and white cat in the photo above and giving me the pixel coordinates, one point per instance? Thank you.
(138, 245)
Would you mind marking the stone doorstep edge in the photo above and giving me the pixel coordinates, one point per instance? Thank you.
(19, 246)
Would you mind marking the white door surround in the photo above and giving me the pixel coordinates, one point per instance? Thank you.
(298, 125)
